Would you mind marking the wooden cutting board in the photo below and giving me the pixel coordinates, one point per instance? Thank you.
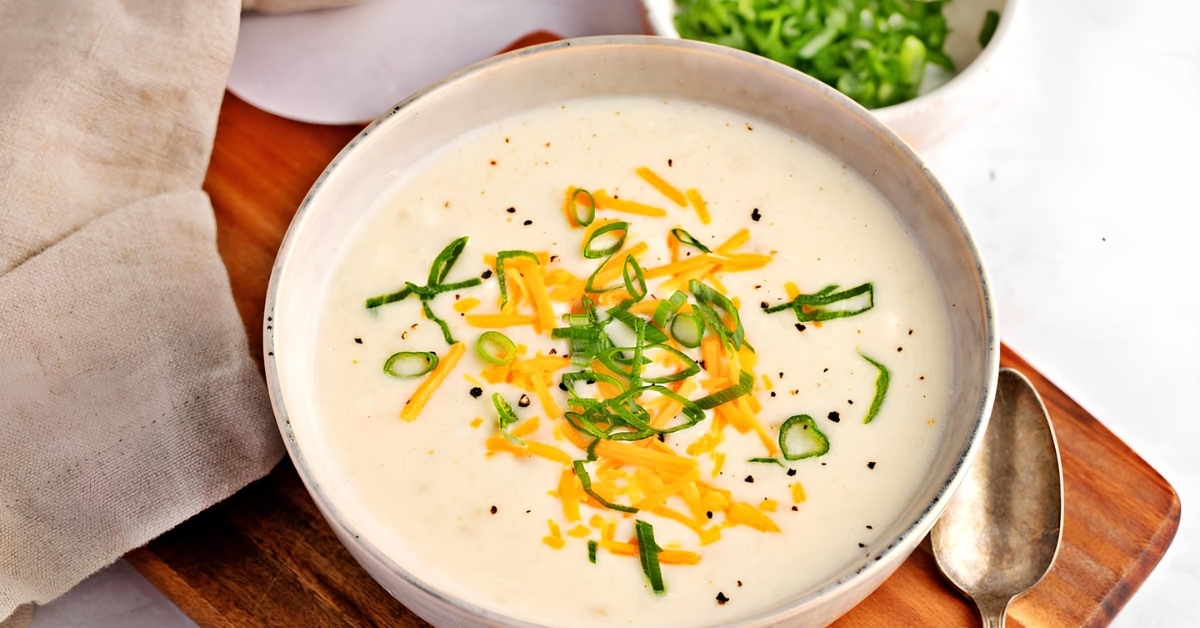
(266, 557)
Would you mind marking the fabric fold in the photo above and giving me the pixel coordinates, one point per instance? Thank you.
(128, 400)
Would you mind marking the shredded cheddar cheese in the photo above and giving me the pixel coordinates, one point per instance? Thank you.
(431, 382)
(660, 184)
(700, 205)
(604, 201)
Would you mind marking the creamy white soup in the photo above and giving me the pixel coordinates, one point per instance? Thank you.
(838, 320)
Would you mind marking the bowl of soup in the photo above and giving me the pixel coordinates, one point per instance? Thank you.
(629, 331)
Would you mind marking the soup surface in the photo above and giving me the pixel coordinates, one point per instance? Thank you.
(482, 516)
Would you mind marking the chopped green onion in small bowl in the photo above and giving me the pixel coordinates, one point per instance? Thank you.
(899, 58)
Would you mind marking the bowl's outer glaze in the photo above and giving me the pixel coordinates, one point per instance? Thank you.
(564, 70)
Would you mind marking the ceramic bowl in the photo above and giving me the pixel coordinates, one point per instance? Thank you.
(676, 69)
(942, 103)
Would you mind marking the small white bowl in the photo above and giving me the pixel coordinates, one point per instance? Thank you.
(941, 103)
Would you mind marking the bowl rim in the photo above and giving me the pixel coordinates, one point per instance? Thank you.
(899, 110)
(864, 571)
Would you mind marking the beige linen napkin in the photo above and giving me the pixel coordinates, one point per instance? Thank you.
(128, 401)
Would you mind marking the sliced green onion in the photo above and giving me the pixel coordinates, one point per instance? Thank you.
(654, 335)
(504, 411)
(440, 323)
(667, 307)
(855, 45)
(410, 363)
(690, 366)
(384, 299)
(569, 380)
(445, 261)
(648, 550)
(496, 348)
(824, 305)
(690, 410)
(766, 461)
(687, 329)
(589, 309)
(639, 350)
(687, 238)
(586, 342)
(912, 60)
(437, 274)
(710, 297)
(881, 388)
(641, 434)
(589, 286)
(725, 395)
(586, 481)
(799, 438)
(991, 20)
(582, 423)
(575, 333)
(592, 547)
(591, 450)
(635, 279)
(595, 247)
(500, 257)
(589, 212)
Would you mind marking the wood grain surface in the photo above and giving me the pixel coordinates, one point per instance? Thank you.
(265, 557)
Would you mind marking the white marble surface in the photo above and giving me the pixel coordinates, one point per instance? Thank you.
(1080, 181)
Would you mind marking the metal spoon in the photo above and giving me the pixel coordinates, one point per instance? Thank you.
(1001, 531)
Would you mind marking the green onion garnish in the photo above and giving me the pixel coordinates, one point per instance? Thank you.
(653, 334)
(799, 438)
(710, 297)
(602, 242)
(586, 481)
(507, 417)
(912, 61)
(725, 395)
(445, 261)
(766, 461)
(689, 369)
(648, 550)
(881, 388)
(667, 307)
(437, 274)
(384, 299)
(862, 47)
(687, 330)
(500, 257)
(592, 547)
(410, 363)
(496, 348)
(828, 305)
(687, 238)
(589, 285)
(991, 20)
(639, 351)
(635, 279)
(582, 423)
(569, 380)
(440, 323)
(588, 213)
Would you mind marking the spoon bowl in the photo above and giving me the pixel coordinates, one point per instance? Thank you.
(1000, 533)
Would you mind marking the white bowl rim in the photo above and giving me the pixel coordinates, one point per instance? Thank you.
(866, 570)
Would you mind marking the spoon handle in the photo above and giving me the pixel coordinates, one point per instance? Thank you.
(994, 613)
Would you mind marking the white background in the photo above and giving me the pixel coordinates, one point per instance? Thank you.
(1079, 176)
